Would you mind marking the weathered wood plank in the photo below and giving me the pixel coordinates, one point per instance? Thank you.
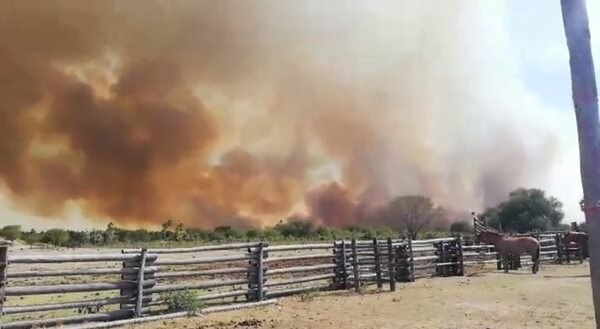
(231, 246)
(70, 305)
(204, 260)
(355, 267)
(111, 316)
(3, 269)
(300, 247)
(41, 259)
(344, 263)
(391, 272)
(196, 285)
(70, 288)
(301, 269)
(377, 262)
(182, 274)
(300, 280)
(140, 283)
(299, 257)
(80, 272)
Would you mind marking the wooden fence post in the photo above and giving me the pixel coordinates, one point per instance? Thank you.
(256, 272)
(442, 257)
(140, 283)
(391, 272)
(260, 273)
(461, 266)
(344, 265)
(499, 262)
(377, 263)
(128, 267)
(355, 267)
(412, 260)
(3, 269)
(559, 251)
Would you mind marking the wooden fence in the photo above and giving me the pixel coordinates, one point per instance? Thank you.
(49, 290)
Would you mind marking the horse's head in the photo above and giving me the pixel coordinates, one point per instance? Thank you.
(487, 237)
(479, 238)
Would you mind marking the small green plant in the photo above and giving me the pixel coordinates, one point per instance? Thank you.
(183, 300)
(308, 295)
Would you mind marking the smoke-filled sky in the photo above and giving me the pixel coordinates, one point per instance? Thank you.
(245, 112)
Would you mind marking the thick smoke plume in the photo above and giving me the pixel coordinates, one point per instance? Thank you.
(236, 112)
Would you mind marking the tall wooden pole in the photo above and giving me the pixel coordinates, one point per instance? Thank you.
(585, 98)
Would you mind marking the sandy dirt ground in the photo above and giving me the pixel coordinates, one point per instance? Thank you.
(557, 297)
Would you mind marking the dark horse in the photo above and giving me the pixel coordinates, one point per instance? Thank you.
(515, 246)
(579, 238)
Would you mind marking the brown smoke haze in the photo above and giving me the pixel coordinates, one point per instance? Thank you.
(244, 112)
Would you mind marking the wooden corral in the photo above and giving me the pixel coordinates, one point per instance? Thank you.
(102, 288)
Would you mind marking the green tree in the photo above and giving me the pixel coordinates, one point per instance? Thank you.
(197, 234)
(77, 238)
(96, 237)
(11, 232)
(140, 235)
(412, 214)
(253, 234)
(56, 236)
(31, 238)
(526, 210)
(271, 234)
(110, 234)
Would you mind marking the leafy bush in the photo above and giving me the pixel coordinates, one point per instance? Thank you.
(31, 237)
(11, 232)
(253, 234)
(296, 228)
(183, 300)
(308, 295)
(433, 235)
(56, 236)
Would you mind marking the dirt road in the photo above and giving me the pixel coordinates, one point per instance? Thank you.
(557, 297)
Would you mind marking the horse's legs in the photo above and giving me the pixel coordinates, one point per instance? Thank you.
(505, 262)
(535, 257)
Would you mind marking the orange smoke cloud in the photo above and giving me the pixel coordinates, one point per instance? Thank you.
(232, 113)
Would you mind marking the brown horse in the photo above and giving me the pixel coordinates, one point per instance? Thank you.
(515, 246)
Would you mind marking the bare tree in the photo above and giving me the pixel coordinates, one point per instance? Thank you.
(412, 213)
(180, 232)
(166, 229)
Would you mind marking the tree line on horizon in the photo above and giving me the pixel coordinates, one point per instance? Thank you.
(525, 210)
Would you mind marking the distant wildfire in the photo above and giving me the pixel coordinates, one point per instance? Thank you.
(243, 112)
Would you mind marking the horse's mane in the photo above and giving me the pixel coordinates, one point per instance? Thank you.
(492, 230)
